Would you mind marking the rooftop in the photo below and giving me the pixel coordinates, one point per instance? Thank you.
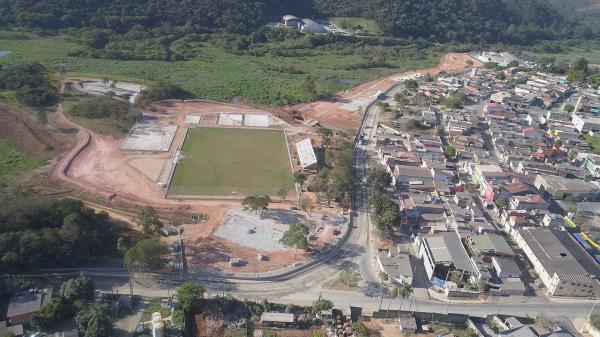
(557, 252)
(306, 153)
(446, 247)
(492, 243)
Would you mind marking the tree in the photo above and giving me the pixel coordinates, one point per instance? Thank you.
(256, 203)
(80, 288)
(411, 84)
(305, 205)
(190, 295)
(378, 179)
(296, 236)
(405, 291)
(299, 178)
(146, 255)
(326, 135)
(148, 218)
(449, 151)
(105, 81)
(456, 101)
(56, 311)
(500, 76)
(501, 203)
(283, 192)
(95, 321)
(386, 212)
(113, 85)
(321, 304)
(393, 295)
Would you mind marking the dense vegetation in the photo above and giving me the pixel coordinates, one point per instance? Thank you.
(515, 21)
(42, 234)
(121, 115)
(270, 72)
(30, 82)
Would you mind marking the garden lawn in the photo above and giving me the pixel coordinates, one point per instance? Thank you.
(232, 162)
(14, 162)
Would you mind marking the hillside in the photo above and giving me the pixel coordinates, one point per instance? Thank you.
(25, 134)
(512, 21)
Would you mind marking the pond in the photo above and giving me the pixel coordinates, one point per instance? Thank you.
(4, 53)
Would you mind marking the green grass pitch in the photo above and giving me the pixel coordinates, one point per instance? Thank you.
(231, 162)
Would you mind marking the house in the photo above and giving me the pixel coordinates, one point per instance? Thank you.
(277, 319)
(585, 124)
(409, 177)
(490, 244)
(559, 188)
(290, 20)
(311, 27)
(562, 265)
(442, 253)
(407, 323)
(396, 265)
(23, 305)
(505, 267)
(527, 202)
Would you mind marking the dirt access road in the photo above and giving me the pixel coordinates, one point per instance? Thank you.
(340, 112)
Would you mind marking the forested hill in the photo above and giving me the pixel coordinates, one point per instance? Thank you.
(513, 21)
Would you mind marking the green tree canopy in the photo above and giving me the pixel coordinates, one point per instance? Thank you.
(449, 151)
(295, 236)
(189, 295)
(378, 179)
(146, 255)
(95, 321)
(386, 212)
(148, 218)
(79, 288)
(256, 203)
(321, 304)
(56, 311)
(411, 84)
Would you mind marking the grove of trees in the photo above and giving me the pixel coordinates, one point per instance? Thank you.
(473, 21)
(61, 233)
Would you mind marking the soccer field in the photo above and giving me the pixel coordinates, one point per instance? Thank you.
(231, 162)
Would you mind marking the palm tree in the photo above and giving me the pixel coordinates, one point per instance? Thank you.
(113, 85)
(405, 291)
(393, 295)
(105, 81)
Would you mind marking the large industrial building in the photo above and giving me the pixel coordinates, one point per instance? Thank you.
(562, 265)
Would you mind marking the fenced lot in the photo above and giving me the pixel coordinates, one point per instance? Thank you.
(231, 162)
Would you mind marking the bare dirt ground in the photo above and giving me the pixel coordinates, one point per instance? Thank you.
(331, 113)
(21, 130)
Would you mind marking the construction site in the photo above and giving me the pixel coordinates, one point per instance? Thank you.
(189, 158)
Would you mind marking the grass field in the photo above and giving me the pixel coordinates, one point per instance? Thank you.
(218, 75)
(14, 162)
(350, 23)
(231, 162)
(590, 54)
